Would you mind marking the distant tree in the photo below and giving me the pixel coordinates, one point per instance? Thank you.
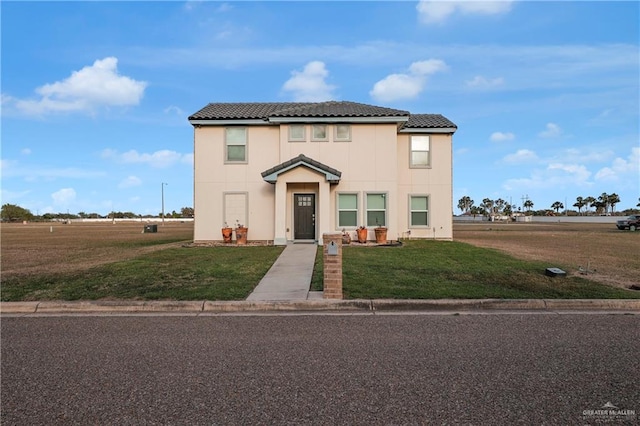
(613, 200)
(188, 211)
(508, 209)
(603, 199)
(528, 205)
(590, 202)
(638, 205)
(580, 203)
(557, 206)
(487, 204)
(465, 203)
(476, 210)
(600, 206)
(498, 206)
(13, 212)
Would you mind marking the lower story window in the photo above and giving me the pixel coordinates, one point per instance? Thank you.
(347, 210)
(419, 210)
(376, 209)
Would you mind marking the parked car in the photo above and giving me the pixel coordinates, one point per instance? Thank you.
(632, 222)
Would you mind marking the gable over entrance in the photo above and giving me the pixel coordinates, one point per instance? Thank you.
(331, 175)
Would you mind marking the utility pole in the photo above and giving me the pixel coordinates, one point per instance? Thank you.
(163, 184)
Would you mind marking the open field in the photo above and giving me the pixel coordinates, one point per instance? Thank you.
(45, 248)
(612, 256)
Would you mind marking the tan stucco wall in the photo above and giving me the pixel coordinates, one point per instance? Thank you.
(375, 160)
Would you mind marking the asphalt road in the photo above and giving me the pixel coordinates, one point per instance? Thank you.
(320, 369)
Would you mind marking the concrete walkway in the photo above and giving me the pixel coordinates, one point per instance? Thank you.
(289, 277)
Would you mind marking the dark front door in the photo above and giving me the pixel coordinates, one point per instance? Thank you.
(304, 216)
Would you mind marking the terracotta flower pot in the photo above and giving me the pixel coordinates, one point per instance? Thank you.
(241, 235)
(362, 235)
(226, 234)
(381, 235)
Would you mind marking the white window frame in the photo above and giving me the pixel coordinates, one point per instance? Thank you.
(385, 195)
(304, 133)
(335, 133)
(314, 138)
(338, 210)
(411, 211)
(411, 151)
(246, 146)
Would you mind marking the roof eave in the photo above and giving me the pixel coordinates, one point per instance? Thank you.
(228, 122)
(388, 119)
(443, 130)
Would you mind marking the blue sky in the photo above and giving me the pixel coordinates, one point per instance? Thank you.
(96, 95)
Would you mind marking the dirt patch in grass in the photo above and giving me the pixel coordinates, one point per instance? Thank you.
(45, 248)
(611, 256)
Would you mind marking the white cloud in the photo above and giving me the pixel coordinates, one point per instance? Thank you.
(552, 131)
(556, 176)
(160, 159)
(521, 156)
(407, 85)
(480, 82)
(25, 151)
(172, 109)
(98, 85)
(64, 197)
(502, 137)
(622, 167)
(309, 85)
(438, 11)
(129, 182)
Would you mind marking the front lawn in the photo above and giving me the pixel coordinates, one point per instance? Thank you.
(427, 269)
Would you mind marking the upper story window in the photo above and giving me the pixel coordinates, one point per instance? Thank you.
(342, 133)
(236, 145)
(420, 151)
(297, 133)
(319, 132)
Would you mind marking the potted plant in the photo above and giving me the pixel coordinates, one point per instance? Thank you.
(362, 234)
(241, 234)
(381, 233)
(346, 237)
(227, 231)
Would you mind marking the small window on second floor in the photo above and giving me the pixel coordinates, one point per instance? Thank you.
(420, 151)
(319, 132)
(236, 145)
(342, 133)
(297, 133)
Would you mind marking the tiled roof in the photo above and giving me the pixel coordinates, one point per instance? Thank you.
(250, 110)
(264, 110)
(301, 159)
(421, 121)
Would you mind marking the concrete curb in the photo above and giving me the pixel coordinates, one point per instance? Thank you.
(358, 305)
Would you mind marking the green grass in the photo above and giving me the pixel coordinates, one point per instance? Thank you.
(198, 273)
(417, 270)
(437, 269)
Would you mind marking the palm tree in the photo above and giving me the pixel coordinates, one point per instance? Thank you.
(487, 203)
(580, 203)
(604, 201)
(589, 202)
(557, 206)
(528, 205)
(613, 200)
(499, 205)
(465, 203)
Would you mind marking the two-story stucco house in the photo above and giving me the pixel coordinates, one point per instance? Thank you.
(293, 171)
